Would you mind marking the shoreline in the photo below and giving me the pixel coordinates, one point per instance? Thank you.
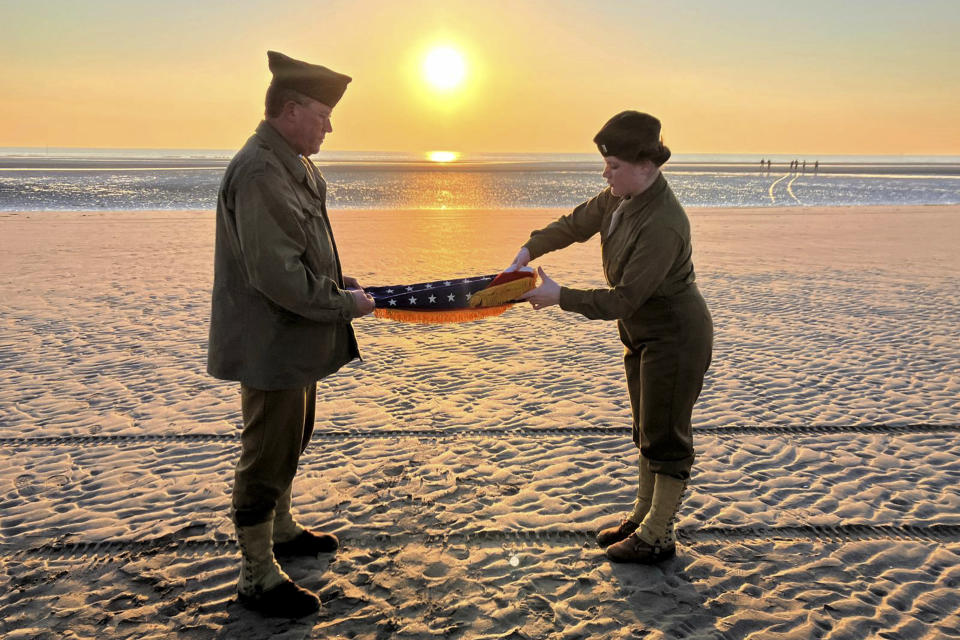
(893, 167)
(693, 210)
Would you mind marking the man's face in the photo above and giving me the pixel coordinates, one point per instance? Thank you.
(312, 122)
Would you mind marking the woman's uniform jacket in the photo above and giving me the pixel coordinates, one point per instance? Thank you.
(663, 320)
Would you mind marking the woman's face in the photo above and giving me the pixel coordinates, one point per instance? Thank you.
(626, 178)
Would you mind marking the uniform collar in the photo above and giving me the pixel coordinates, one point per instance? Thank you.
(639, 201)
(282, 149)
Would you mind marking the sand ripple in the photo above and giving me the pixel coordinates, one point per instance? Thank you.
(829, 318)
(757, 590)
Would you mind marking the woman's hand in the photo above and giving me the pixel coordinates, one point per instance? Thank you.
(523, 257)
(546, 295)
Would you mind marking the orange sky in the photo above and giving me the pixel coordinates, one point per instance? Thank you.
(734, 77)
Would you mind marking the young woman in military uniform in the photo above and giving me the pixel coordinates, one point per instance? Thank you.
(662, 319)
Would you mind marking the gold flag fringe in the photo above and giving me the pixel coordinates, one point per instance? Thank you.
(501, 293)
(440, 317)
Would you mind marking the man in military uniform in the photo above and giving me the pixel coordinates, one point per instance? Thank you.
(281, 320)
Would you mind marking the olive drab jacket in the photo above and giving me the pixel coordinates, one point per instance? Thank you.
(647, 254)
(280, 317)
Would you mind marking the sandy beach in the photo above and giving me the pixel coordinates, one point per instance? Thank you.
(466, 466)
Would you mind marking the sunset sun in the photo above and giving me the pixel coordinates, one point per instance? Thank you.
(442, 156)
(444, 68)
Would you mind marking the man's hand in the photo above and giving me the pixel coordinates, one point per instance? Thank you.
(351, 283)
(364, 301)
(546, 295)
(523, 257)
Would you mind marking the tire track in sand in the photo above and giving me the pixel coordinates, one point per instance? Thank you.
(790, 189)
(124, 548)
(442, 434)
(773, 200)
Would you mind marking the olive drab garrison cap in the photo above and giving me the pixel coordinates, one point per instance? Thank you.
(632, 136)
(312, 80)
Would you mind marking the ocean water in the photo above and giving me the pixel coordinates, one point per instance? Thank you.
(104, 179)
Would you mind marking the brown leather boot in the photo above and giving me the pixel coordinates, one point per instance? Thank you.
(654, 540)
(645, 481)
(633, 549)
(290, 538)
(610, 535)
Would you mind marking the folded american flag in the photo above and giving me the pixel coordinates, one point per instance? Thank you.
(456, 300)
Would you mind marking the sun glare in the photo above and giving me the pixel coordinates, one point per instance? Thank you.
(444, 68)
(442, 156)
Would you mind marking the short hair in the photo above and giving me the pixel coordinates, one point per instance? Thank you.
(278, 97)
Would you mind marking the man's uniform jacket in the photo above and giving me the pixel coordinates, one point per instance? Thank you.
(280, 317)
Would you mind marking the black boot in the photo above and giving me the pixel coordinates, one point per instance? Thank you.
(286, 600)
(307, 543)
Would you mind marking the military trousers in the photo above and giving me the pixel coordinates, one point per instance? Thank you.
(669, 345)
(277, 426)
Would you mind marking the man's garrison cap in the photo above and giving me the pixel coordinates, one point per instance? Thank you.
(312, 80)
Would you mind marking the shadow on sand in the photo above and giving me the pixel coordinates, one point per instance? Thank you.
(664, 598)
(242, 623)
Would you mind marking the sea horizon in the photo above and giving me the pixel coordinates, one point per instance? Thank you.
(11, 153)
(88, 179)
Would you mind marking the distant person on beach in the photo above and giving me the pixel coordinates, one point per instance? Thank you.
(662, 319)
(281, 320)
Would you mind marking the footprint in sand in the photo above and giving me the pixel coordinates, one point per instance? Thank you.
(23, 483)
(130, 479)
(436, 570)
(393, 470)
(29, 485)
